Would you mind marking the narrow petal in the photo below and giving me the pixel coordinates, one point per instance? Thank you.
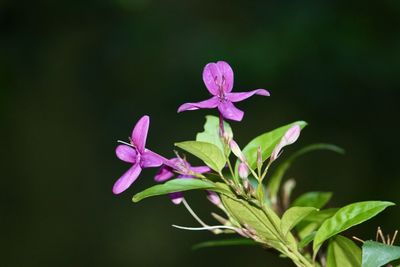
(127, 179)
(150, 159)
(165, 173)
(200, 169)
(176, 197)
(126, 153)
(209, 103)
(139, 133)
(227, 76)
(212, 77)
(229, 111)
(236, 97)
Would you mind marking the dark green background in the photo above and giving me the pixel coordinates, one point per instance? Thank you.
(76, 75)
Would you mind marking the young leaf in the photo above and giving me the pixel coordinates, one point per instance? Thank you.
(293, 216)
(208, 153)
(342, 252)
(267, 141)
(176, 185)
(276, 178)
(312, 199)
(225, 242)
(377, 254)
(347, 217)
(211, 132)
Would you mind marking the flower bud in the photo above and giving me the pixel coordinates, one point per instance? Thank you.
(213, 198)
(227, 136)
(289, 138)
(236, 150)
(243, 170)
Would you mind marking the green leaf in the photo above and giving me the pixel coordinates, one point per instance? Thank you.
(314, 221)
(342, 252)
(267, 141)
(347, 217)
(254, 218)
(208, 153)
(277, 176)
(176, 185)
(375, 254)
(312, 199)
(211, 132)
(307, 239)
(225, 242)
(293, 216)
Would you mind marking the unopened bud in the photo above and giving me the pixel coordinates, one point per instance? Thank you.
(236, 150)
(213, 198)
(289, 138)
(243, 170)
(227, 136)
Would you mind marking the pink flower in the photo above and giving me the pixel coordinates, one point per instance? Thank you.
(184, 169)
(136, 154)
(218, 78)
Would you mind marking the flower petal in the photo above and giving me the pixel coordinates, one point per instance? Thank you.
(139, 133)
(212, 77)
(236, 97)
(227, 76)
(200, 169)
(150, 159)
(209, 103)
(126, 153)
(165, 173)
(229, 111)
(127, 179)
(176, 197)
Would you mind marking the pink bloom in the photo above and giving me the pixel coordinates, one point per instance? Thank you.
(218, 78)
(136, 154)
(184, 169)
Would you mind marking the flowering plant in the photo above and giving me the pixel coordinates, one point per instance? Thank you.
(253, 202)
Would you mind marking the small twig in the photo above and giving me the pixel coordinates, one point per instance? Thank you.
(215, 227)
(193, 213)
(380, 233)
(358, 239)
(394, 237)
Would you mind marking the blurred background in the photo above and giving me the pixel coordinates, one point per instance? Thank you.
(75, 76)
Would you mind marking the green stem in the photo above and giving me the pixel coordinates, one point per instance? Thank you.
(235, 179)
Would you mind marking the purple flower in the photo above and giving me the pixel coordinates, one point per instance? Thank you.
(136, 154)
(184, 169)
(218, 78)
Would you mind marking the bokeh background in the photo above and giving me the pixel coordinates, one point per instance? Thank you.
(76, 75)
